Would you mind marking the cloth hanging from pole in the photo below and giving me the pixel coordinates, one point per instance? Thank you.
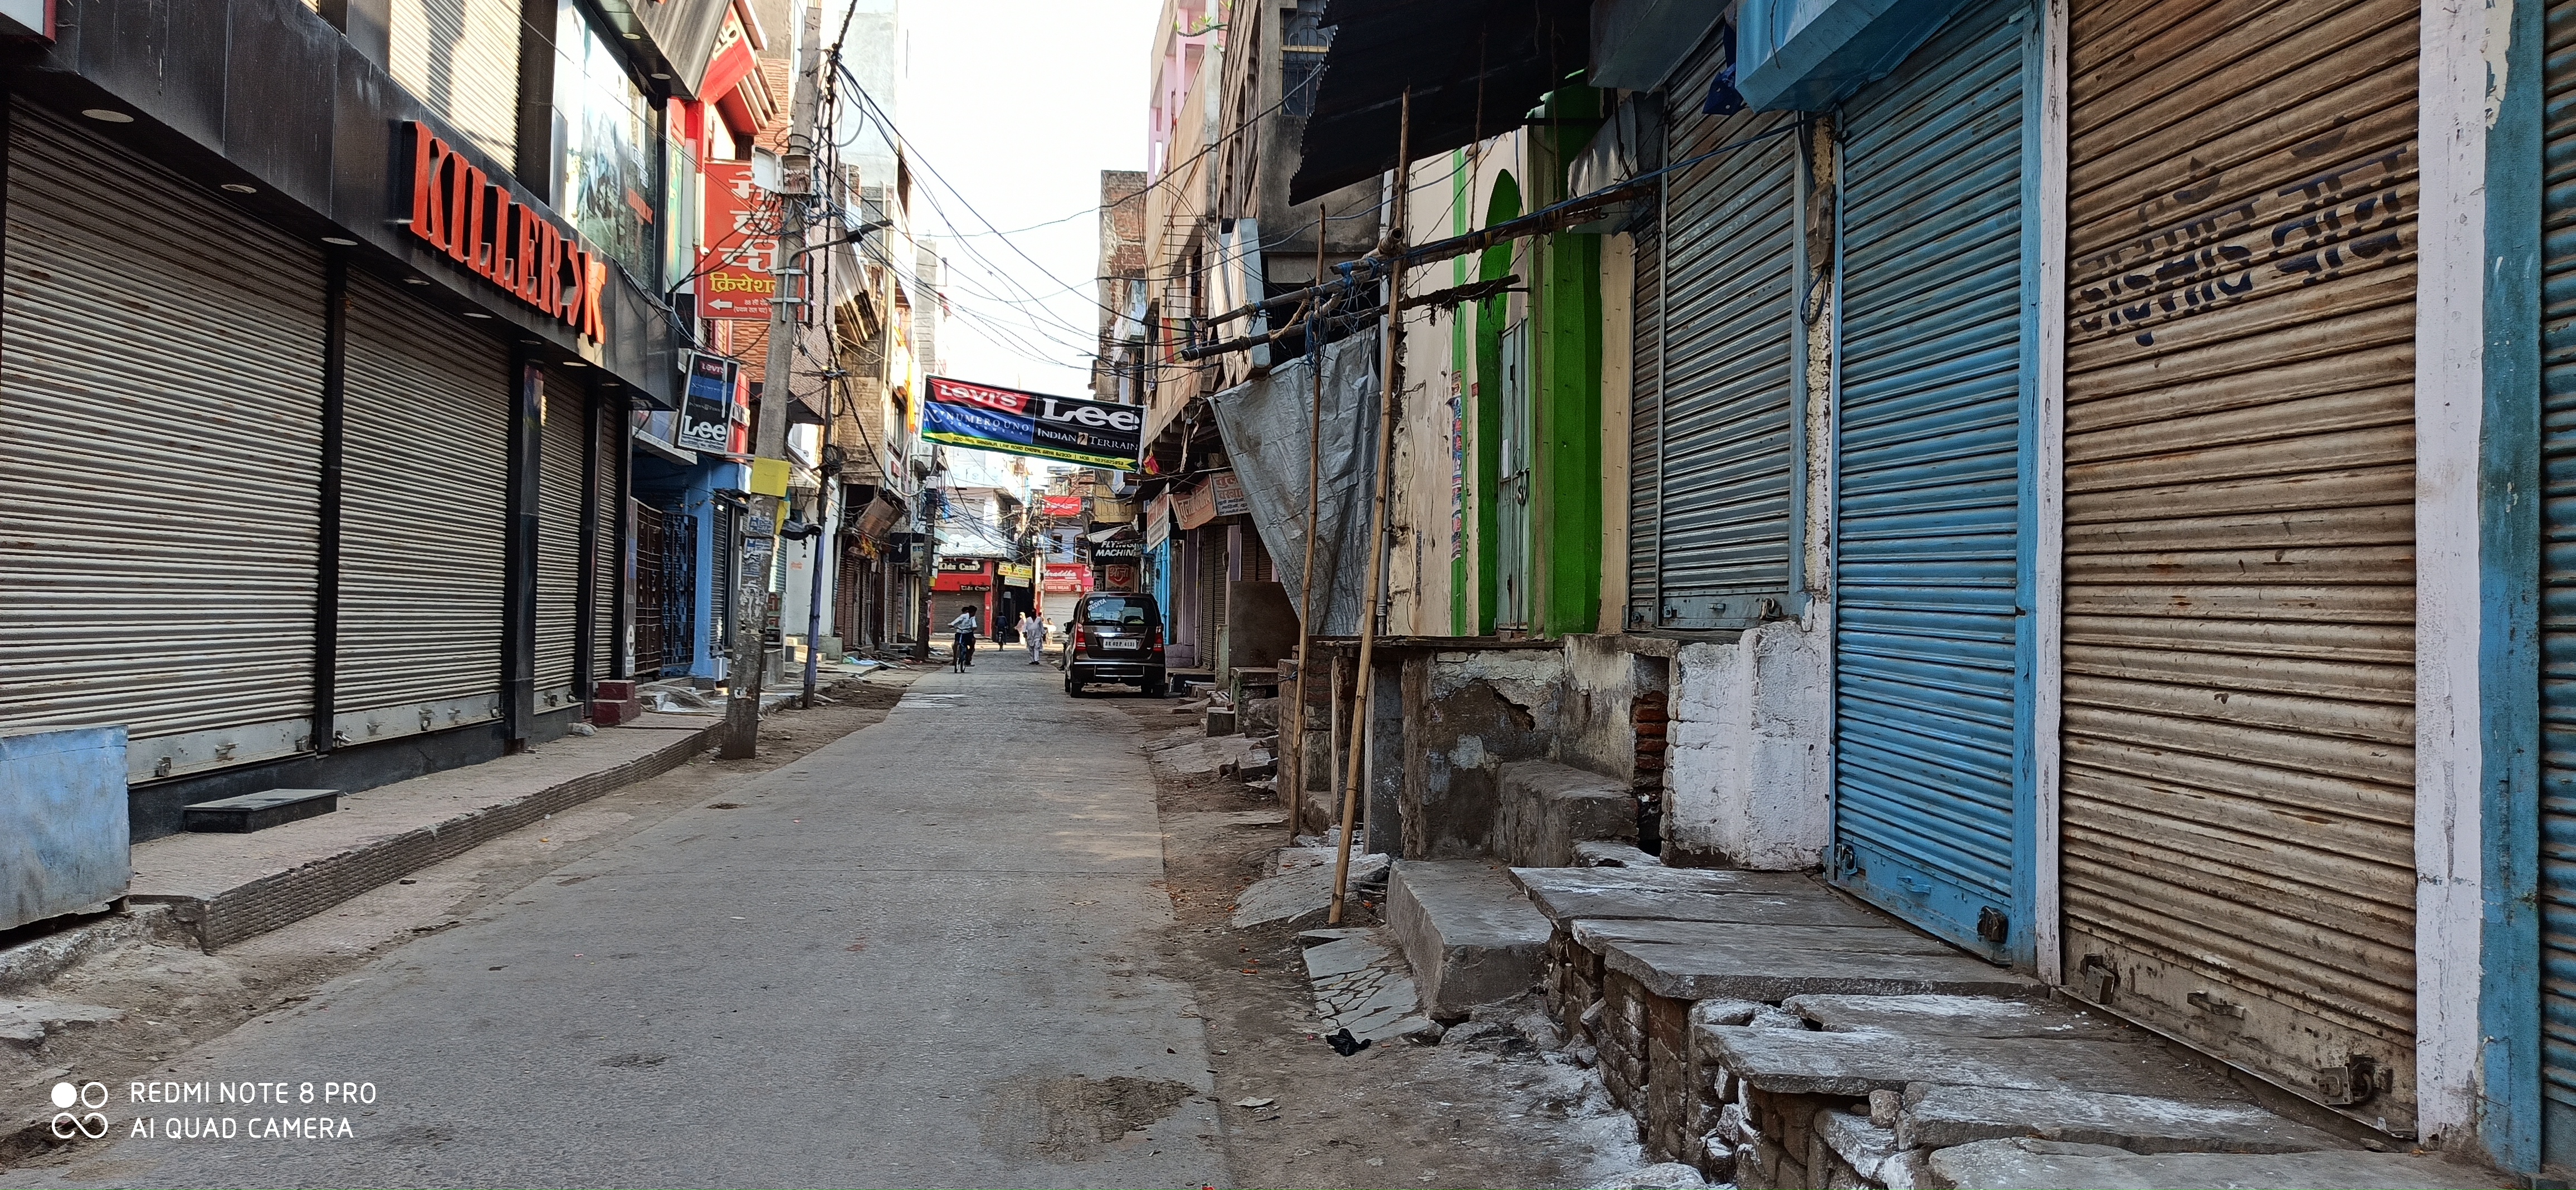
(1264, 422)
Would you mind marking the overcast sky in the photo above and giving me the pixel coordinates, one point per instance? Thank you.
(1019, 104)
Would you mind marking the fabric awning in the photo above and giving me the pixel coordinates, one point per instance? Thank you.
(1476, 68)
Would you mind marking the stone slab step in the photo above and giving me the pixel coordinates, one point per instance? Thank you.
(1688, 894)
(1302, 893)
(1962, 1016)
(244, 813)
(1760, 935)
(1802, 1062)
(1471, 936)
(1939, 1117)
(1545, 809)
(1361, 985)
(1725, 971)
(2026, 1164)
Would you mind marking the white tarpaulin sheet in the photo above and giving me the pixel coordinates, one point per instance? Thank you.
(1265, 423)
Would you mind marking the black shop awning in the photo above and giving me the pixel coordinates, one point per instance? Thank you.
(1476, 68)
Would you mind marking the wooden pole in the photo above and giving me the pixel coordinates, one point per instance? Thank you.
(1306, 590)
(1390, 380)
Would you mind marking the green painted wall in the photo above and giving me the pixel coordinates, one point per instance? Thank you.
(1566, 516)
(1485, 395)
(1462, 614)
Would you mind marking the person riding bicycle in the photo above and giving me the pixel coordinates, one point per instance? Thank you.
(965, 626)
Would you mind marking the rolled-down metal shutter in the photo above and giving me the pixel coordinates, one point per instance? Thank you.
(1927, 625)
(1646, 425)
(424, 520)
(2558, 607)
(461, 57)
(608, 567)
(560, 451)
(2238, 800)
(1729, 342)
(162, 455)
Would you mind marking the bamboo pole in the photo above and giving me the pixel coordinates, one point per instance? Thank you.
(1306, 590)
(1390, 380)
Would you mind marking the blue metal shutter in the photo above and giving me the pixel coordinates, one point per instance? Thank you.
(1929, 495)
(2558, 599)
(1727, 368)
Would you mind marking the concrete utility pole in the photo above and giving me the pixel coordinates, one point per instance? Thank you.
(750, 663)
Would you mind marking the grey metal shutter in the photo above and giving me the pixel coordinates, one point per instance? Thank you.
(461, 57)
(559, 502)
(1728, 354)
(2557, 1083)
(608, 585)
(162, 456)
(1645, 426)
(2238, 802)
(424, 519)
(1929, 717)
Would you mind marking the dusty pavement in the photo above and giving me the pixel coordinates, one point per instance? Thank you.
(920, 955)
(174, 996)
(1494, 1103)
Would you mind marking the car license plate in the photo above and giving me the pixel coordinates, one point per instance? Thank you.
(1129, 643)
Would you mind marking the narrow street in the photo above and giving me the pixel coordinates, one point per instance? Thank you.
(921, 955)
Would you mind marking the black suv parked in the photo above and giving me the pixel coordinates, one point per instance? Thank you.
(1117, 637)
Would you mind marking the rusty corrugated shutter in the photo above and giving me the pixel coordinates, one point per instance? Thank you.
(2557, 1083)
(2239, 627)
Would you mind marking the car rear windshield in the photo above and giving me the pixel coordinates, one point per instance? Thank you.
(1138, 613)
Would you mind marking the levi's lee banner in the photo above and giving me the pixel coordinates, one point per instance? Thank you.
(1092, 433)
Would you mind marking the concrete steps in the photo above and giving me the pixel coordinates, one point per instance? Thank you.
(1547, 809)
(1773, 1033)
(2032, 1164)
(1470, 935)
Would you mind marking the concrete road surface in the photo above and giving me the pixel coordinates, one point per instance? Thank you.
(920, 956)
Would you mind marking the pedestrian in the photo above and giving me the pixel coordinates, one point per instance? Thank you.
(1033, 632)
(965, 626)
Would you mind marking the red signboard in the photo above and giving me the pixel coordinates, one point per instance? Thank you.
(463, 213)
(1060, 506)
(1066, 577)
(738, 281)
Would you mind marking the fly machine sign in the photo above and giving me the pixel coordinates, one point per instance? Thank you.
(475, 221)
(1092, 433)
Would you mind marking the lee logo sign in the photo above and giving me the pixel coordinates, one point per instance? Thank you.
(461, 212)
(1092, 433)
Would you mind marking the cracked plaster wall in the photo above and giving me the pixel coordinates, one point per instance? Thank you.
(1747, 777)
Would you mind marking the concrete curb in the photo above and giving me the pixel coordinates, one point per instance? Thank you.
(285, 897)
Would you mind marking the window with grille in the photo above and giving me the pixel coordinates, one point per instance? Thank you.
(1301, 66)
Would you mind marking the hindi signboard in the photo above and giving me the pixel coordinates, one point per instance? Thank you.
(741, 286)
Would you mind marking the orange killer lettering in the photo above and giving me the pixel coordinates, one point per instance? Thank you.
(458, 210)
